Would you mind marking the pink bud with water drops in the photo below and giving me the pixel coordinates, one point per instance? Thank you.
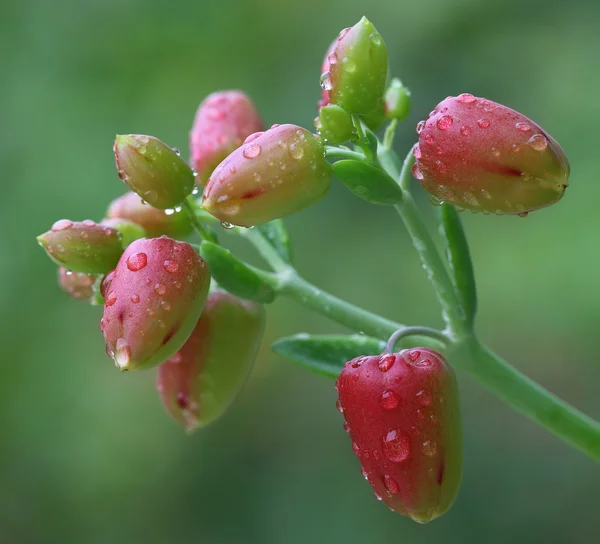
(77, 285)
(402, 413)
(223, 121)
(153, 170)
(82, 246)
(204, 377)
(152, 301)
(173, 223)
(273, 174)
(482, 156)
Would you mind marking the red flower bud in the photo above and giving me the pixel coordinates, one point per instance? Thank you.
(402, 413)
(152, 301)
(274, 174)
(76, 284)
(223, 121)
(154, 221)
(203, 378)
(483, 156)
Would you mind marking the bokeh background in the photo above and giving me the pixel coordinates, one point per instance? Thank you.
(87, 454)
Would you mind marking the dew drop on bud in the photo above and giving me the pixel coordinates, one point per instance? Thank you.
(429, 448)
(386, 362)
(111, 298)
(396, 446)
(483, 123)
(296, 151)
(465, 98)
(171, 266)
(390, 484)
(325, 81)
(122, 354)
(465, 130)
(251, 151)
(137, 261)
(424, 397)
(413, 355)
(338, 405)
(389, 400)
(135, 299)
(420, 126)
(356, 448)
(523, 127)
(227, 225)
(253, 137)
(417, 152)
(445, 122)
(160, 289)
(62, 224)
(416, 172)
(538, 142)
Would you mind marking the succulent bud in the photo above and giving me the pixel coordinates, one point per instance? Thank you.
(482, 156)
(203, 378)
(76, 284)
(153, 170)
(82, 246)
(397, 101)
(325, 82)
(223, 121)
(274, 174)
(335, 124)
(129, 231)
(376, 118)
(154, 221)
(153, 300)
(358, 66)
(403, 416)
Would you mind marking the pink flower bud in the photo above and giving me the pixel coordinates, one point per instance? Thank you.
(202, 379)
(483, 156)
(274, 174)
(154, 221)
(223, 121)
(76, 284)
(152, 301)
(325, 86)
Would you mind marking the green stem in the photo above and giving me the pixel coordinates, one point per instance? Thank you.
(205, 234)
(266, 250)
(342, 153)
(413, 331)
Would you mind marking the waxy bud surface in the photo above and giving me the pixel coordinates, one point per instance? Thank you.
(76, 284)
(203, 378)
(129, 231)
(402, 413)
(152, 301)
(335, 124)
(82, 246)
(223, 121)
(397, 101)
(482, 156)
(274, 174)
(154, 221)
(153, 170)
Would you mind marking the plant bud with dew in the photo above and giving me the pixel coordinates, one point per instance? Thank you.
(223, 121)
(82, 246)
(397, 101)
(358, 67)
(335, 124)
(154, 221)
(129, 231)
(77, 285)
(274, 174)
(482, 156)
(203, 378)
(152, 301)
(403, 416)
(153, 170)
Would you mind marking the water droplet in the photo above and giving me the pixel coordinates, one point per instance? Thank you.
(435, 200)
(386, 362)
(523, 127)
(177, 152)
(413, 355)
(483, 123)
(62, 224)
(171, 266)
(389, 400)
(391, 485)
(424, 397)
(343, 33)
(122, 355)
(427, 362)
(428, 138)
(466, 98)
(111, 298)
(523, 214)
(338, 405)
(296, 151)
(88, 223)
(420, 126)
(417, 152)
(137, 261)
(233, 169)
(444, 122)
(257, 177)
(356, 448)
(227, 225)
(495, 152)
(177, 285)
(251, 151)
(429, 448)
(253, 137)
(349, 64)
(470, 199)
(165, 305)
(357, 363)
(160, 289)
(538, 142)
(364, 473)
(325, 81)
(441, 166)
(465, 130)
(135, 299)
(416, 172)
(396, 446)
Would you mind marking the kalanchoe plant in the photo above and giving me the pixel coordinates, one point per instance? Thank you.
(401, 408)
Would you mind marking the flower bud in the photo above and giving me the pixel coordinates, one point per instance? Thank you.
(223, 121)
(129, 231)
(334, 124)
(376, 118)
(482, 156)
(325, 83)
(153, 300)
(403, 416)
(202, 379)
(358, 66)
(397, 101)
(274, 174)
(82, 246)
(153, 170)
(155, 222)
(76, 284)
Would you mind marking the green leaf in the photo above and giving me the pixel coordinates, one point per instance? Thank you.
(235, 276)
(368, 182)
(277, 235)
(326, 354)
(459, 258)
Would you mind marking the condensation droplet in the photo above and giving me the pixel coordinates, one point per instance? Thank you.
(227, 225)
(62, 224)
(296, 151)
(253, 136)
(137, 261)
(111, 298)
(483, 123)
(465, 130)
(523, 127)
(325, 81)
(429, 448)
(122, 354)
(160, 289)
(413, 355)
(420, 126)
(417, 152)
(251, 151)
(171, 266)
(424, 397)
(386, 362)
(135, 299)
(389, 400)
(466, 98)
(445, 122)
(396, 446)
(391, 485)
(538, 142)
(416, 172)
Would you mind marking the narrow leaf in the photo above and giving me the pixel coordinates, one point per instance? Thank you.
(368, 182)
(277, 235)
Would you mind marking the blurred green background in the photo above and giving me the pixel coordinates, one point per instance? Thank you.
(89, 456)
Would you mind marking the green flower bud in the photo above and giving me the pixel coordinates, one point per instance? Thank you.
(82, 246)
(274, 174)
(376, 118)
(129, 231)
(335, 124)
(203, 378)
(397, 101)
(153, 170)
(76, 284)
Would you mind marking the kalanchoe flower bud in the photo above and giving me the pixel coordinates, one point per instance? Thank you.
(153, 170)
(153, 300)
(274, 174)
(376, 118)
(483, 156)
(335, 124)
(76, 284)
(154, 221)
(223, 121)
(402, 413)
(397, 101)
(203, 378)
(358, 66)
(325, 82)
(129, 231)
(82, 246)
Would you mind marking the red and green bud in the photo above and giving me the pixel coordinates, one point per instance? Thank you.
(152, 301)
(402, 413)
(274, 174)
(358, 66)
(129, 231)
(153, 170)
(335, 124)
(223, 121)
(203, 378)
(482, 156)
(325, 84)
(82, 246)
(397, 101)
(154, 221)
(76, 284)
